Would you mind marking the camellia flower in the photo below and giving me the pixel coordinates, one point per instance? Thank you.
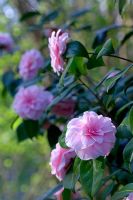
(130, 197)
(30, 102)
(30, 64)
(64, 108)
(6, 42)
(57, 46)
(60, 161)
(90, 135)
(58, 195)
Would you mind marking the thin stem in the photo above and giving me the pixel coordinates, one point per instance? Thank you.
(114, 56)
(104, 111)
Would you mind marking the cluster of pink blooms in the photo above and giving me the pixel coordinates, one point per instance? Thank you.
(57, 47)
(6, 42)
(90, 135)
(31, 62)
(130, 197)
(74, 196)
(64, 108)
(30, 102)
(60, 161)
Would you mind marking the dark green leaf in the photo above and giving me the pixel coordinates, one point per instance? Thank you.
(91, 174)
(128, 152)
(121, 4)
(93, 62)
(53, 134)
(110, 82)
(75, 48)
(29, 15)
(131, 119)
(75, 66)
(49, 17)
(66, 194)
(27, 129)
(107, 190)
(62, 139)
(106, 49)
(72, 175)
(126, 37)
(80, 12)
(123, 192)
(62, 95)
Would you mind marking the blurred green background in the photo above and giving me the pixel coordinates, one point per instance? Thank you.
(24, 167)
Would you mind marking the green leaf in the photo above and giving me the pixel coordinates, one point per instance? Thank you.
(75, 48)
(121, 4)
(62, 139)
(106, 49)
(49, 17)
(62, 95)
(107, 190)
(75, 66)
(123, 192)
(53, 138)
(131, 119)
(91, 174)
(126, 37)
(93, 61)
(29, 15)
(128, 152)
(66, 194)
(72, 175)
(110, 82)
(27, 129)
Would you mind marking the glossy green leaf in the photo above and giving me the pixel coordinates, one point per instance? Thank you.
(106, 49)
(91, 174)
(66, 194)
(123, 192)
(75, 48)
(29, 15)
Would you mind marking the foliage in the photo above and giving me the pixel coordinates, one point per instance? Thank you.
(89, 78)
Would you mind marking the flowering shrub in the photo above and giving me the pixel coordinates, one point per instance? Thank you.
(88, 120)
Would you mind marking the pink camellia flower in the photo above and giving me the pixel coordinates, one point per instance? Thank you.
(58, 195)
(60, 161)
(130, 197)
(90, 135)
(30, 102)
(6, 42)
(30, 64)
(64, 108)
(57, 46)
